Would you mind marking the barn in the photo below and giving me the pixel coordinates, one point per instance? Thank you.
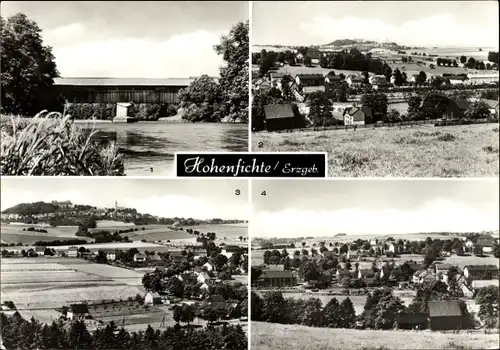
(279, 116)
(445, 315)
(115, 90)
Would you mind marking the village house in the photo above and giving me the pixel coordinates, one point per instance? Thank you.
(40, 250)
(63, 204)
(203, 277)
(72, 252)
(199, 253)
(423, 276)
(487, 242)
(457, 79)
(276, 279)
(357, 115)
(480, 272)
(276, 267)
(366, 273)
(152, 298)
(377, 80)
(77, 312)
(355, 81)
(483, 78)
(455, 109)
(477, 284)
(314, 54)
(445, 315)
(352, 255)
(139, 257)
(308, 90)
(110, 254)
(279, 116)
(342, 273)
(332, 78)
(275, 78)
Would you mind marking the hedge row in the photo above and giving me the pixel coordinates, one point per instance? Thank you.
(107, 111)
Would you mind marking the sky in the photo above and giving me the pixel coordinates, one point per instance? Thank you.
(195, 198)
(140, 39)
(299, 208)
(411, 23)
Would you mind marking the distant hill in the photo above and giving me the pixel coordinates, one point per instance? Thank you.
(31, 208)
(343, 42)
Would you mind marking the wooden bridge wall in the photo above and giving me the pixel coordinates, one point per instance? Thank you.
(112, 94)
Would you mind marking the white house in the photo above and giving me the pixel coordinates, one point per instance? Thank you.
(110, 254)
(203, 277)
(483, 78)
(209, 266)
(77, 311)
(152, 298)
(40, 250)
(355, 80)
(392, 248)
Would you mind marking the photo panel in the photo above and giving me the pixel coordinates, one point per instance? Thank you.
(379, 85)
(124, 263)
(374, 264)
(105, 88)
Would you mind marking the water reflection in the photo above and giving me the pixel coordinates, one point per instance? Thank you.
(153, 144)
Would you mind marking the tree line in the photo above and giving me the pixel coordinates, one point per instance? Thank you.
(18, 333)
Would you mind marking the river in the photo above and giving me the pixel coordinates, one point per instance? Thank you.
(148, 147)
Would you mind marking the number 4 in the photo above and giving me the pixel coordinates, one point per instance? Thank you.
(263, 193)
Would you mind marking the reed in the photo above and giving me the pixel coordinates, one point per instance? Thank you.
(50, 144)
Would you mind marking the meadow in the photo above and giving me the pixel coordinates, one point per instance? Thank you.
(267, 336)
(15, 234)
(419, 151)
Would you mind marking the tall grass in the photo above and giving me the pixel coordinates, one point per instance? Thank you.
(54, 146)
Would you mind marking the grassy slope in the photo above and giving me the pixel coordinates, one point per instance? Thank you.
(416, 152)
(283, 337)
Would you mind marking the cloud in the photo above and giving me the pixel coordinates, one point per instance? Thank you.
(80, 52)
(436, 30)
(436, 215)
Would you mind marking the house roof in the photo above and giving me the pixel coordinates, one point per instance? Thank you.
(343, 272)
(367, 272)
(108, 250)
(278, 111)
(40, 249)
(138, 255)
(217, 299)
(75, 81)
(313, 53)
(441, 267)
(415, 267)
(444, 308)
(276, 274)
(485, 241)
(314, 77)
(257, 261)
(353, 110)
(154, 295)
(79, 308)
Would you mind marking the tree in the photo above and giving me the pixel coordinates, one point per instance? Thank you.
(307, 61)
(187, 313)
(463, 59)
(471, 63)
(233, 81)
(320, 108)
(347, 314)
(487, 298)
(386, 310)
(28, 68)
(421, 78)
(274, 307)
(478, 250)
(309, 271)
(331, 313)
(398, 77)
(377, 103)
(101, 257)
(478, 110)
(393, 116)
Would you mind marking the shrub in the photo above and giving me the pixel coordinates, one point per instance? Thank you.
(47, 147)
(447, 137)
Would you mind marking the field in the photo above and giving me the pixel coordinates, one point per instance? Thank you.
(224, 230)
(15, 233)
(283, 337)
(42, 284)
(421, 151)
